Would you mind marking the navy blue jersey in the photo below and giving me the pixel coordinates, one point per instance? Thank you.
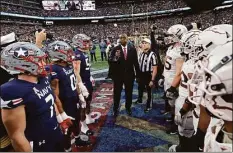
(38, 99)
(85, 65)
(67, 81)
(67, 88)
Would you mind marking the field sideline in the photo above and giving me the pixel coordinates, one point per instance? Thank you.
(99, 65)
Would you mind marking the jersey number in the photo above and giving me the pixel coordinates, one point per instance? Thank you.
(87, 64)
(48, 99)
(73, 82)
(167, 66)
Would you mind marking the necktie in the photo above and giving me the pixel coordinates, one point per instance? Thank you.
(125, 53)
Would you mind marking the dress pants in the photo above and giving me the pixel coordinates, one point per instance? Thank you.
(118, 85)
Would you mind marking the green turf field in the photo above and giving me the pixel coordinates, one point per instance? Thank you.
(99, 65)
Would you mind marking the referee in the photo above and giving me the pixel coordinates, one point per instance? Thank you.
(148, 69)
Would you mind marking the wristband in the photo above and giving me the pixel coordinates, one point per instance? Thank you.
(64, 116)
(59, 118)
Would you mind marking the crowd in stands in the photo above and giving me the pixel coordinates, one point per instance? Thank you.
(100, 30)
(19, 7)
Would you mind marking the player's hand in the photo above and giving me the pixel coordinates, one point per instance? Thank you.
(171, 93)
(82, 101)
(151, 84)
(161, 82)
(67, 119)
(179, 116)
(83, 89)
(64, 127)
(178, 119)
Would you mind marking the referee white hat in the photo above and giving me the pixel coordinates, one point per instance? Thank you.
(146, 40)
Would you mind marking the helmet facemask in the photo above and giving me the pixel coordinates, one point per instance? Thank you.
(214, 93)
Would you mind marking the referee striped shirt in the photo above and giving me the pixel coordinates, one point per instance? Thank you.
(147, 61)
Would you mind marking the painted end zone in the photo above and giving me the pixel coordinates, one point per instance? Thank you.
(101, 103)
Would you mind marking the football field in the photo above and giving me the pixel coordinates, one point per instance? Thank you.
(99, 65)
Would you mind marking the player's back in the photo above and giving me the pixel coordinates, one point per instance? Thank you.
(39, 105)
(85, 65)
(67, 81)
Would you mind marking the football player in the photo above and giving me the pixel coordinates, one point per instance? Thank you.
(216, 87)
(208, 40)
(28, 110)
(64, 86)
(172, 68)
(82, 44)
(185, 123)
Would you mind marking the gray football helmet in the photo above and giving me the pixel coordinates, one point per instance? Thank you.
(60, 50)
(23, 57)
(81, 41)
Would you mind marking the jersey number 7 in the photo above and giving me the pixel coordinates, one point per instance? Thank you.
(48, 99)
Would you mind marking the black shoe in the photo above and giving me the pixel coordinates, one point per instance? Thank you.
(138, 102)
(147, 109)
(81, 143)
(129, 112)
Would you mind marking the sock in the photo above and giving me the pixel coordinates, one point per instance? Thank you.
(84, 127)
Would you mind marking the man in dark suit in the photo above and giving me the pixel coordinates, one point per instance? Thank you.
(124, 63)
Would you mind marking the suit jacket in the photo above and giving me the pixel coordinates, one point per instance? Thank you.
(124, 68)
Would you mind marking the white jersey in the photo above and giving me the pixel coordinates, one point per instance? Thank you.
(173, 53)
(187, 68)
(214, 139)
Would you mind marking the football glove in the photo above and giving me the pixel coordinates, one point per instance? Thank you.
(179, 116)
(161, 82)
(83, 89)
(67, 119)
(172, 93)
(64, 127)
(82, 101)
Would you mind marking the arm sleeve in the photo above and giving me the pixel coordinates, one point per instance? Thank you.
(54, 74)
(136, 64)
(10, 99)
(154, 60)
(77, 56)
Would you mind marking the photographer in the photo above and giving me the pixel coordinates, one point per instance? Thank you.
(155, 46)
